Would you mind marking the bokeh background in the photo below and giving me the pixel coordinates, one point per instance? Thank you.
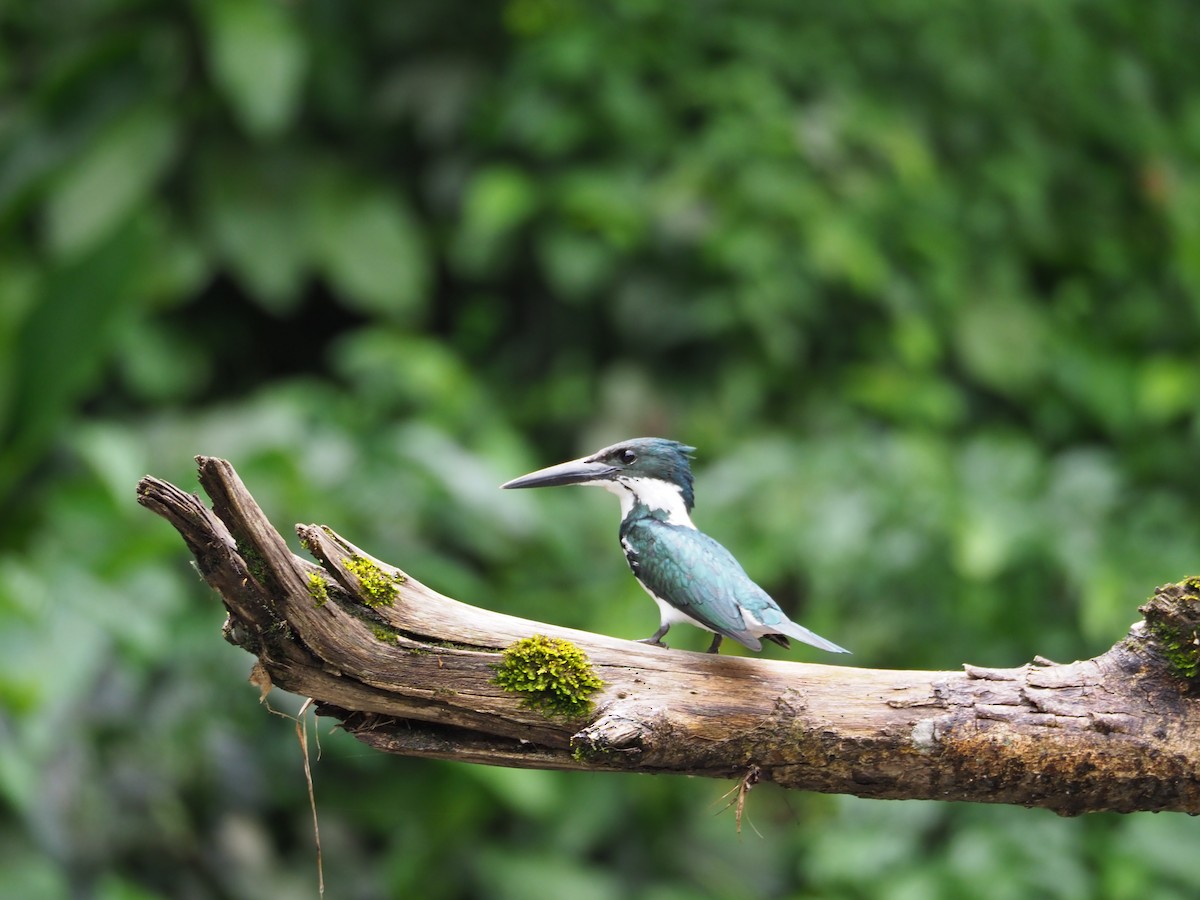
(920, 279)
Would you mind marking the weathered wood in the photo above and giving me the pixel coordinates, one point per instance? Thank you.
(410, 671)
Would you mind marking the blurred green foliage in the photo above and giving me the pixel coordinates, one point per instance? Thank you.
(921, 280)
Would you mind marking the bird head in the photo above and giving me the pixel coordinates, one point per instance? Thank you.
(630, 464)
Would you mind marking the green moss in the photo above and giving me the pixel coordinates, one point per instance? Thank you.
(379, 588)
(1173, 619)
(555, 675)
(385, 634)
(318, 588)
(255, 563)
(1180, 647)
(585, 751)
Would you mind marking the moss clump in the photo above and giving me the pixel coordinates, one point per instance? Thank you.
(555, 675)
(379, 588)
(385, 634)
(318, 589)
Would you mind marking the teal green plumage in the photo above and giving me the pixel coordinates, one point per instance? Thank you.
(693, 573)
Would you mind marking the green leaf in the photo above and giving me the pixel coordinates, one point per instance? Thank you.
(499, 200)
(112, 177)
(65, 340)
(258, 59)
(577, 265)
(610, 203)
(370, 247)
(1166, 387)
(18, 293)
(254, 219)
(1002, 343)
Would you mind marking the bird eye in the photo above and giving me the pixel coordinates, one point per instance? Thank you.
(626, 456)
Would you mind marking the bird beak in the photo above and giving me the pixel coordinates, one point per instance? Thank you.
(577, 471)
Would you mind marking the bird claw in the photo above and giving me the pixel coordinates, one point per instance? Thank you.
(653, 642)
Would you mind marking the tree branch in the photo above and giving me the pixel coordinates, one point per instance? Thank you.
(409, 671)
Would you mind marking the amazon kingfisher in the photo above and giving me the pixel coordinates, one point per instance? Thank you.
(689, 575)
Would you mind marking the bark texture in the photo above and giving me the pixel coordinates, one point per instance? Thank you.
(409, 671)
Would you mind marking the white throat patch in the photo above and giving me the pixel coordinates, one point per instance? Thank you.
(654, 494)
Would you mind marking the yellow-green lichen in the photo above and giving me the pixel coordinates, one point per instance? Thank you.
(378, 588)
(318, 588)
(555, 676)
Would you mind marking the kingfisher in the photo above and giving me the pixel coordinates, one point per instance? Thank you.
(690, 576)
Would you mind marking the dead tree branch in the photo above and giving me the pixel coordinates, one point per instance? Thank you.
(409, 671)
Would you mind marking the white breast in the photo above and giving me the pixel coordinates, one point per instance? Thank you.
(654, 495)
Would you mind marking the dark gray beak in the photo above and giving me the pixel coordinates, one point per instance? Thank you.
(577, 471)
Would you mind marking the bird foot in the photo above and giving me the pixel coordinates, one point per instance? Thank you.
(654, 642)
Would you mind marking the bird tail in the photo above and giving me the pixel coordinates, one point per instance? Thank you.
(800, 633)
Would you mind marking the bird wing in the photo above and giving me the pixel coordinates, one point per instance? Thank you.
(693, 573)
(698, 576)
